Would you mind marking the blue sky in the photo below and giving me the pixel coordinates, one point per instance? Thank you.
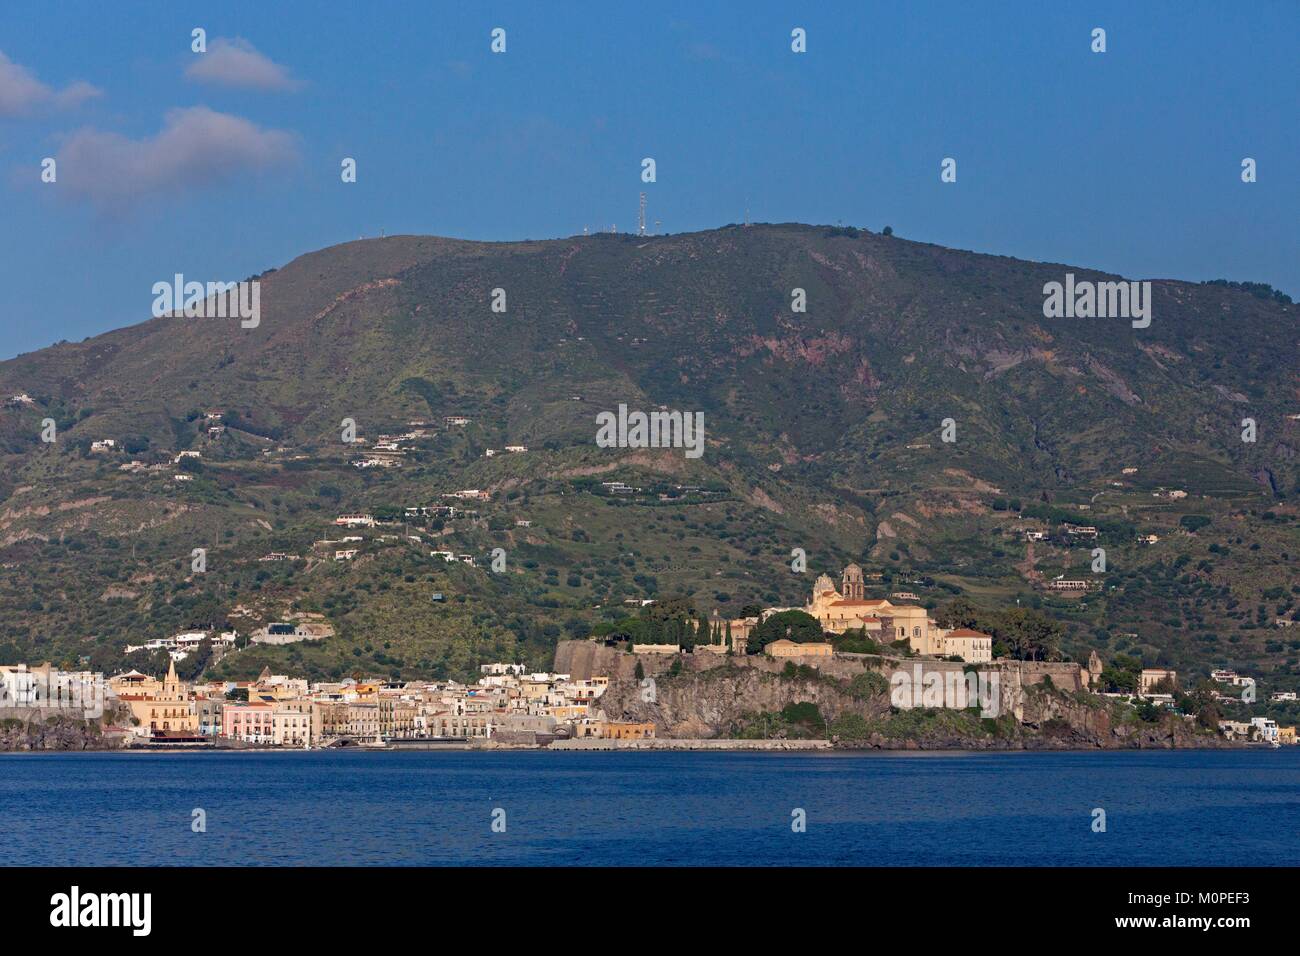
(1127, 161)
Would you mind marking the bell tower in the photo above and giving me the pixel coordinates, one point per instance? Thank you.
(852, 586)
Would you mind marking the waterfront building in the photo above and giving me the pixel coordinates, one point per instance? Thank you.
(160, 709)
(48, 687)
(1265, 727)
(209, 711)
(292, 723)
(250, 723)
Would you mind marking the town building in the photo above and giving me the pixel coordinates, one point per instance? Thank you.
(974, 647)
(355, 521)
(1152, 679)
(159, 709)
(251, 723)
(48, 688)
(786, 648)
(1265, 728)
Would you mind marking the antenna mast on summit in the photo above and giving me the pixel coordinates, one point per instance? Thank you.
(640, 221)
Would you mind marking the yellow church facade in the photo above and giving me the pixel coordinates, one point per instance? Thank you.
(847, 608)
(164, 707)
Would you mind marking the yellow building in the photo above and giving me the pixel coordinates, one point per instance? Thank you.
(786, 648)
(363, 719)
(628, 730)
(973, 647)
(165, 708)
(397, 716)
(597, 729)
(134, 683)
(1286, 735)
(1154, 677)
(848, 609)
(293, 723)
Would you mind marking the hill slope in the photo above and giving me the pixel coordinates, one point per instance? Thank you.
(823, 427)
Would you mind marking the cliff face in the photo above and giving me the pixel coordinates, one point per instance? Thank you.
(716, 702)
(57, 733)
(1062, 720)
(1039, 706)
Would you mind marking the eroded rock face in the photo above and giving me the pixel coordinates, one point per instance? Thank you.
(709, 703)
(1066, 720)
(57, 733)
(1043, 705)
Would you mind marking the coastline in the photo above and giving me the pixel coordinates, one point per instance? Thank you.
(658, 745)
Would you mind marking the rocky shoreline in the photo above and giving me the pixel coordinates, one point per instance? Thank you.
(57, 734)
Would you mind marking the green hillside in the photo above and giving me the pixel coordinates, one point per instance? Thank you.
(823, 433)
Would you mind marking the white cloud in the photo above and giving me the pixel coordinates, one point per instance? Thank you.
(237, 63)
(196, 147)
(21, 93)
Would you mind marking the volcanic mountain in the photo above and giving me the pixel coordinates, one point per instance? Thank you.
(864, 397)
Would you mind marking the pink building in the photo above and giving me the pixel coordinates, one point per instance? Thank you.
(252, 723)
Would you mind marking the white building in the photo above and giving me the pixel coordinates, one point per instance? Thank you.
(48, 687)
(355, 521)
(1266, 727)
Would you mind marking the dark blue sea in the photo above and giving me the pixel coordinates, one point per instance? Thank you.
(1190, 808)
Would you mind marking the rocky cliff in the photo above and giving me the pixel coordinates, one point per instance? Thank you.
(57, 733)
(849, 699)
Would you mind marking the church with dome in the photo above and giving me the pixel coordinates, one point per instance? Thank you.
(847, 608)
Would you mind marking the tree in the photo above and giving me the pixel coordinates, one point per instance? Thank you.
(1032, 635)
(959, 613)
(797, 626)
(855, 641)
(668, 621)
(1021, 633)
(193, 666)
(1147, 711)
(806, 715)
(1201, 702)
(1122, 675)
